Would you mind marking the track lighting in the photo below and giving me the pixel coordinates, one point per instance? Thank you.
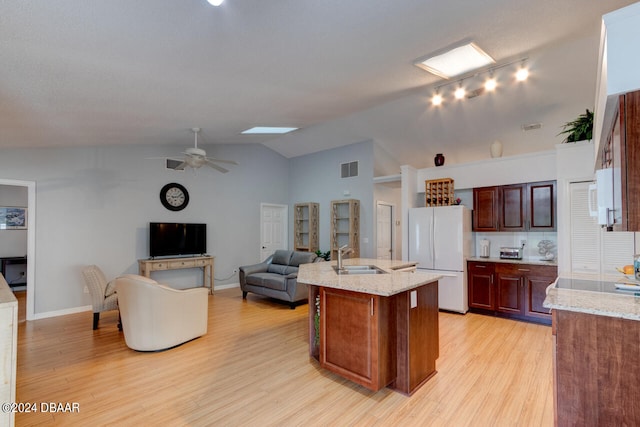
(215, 2)
(489, 85)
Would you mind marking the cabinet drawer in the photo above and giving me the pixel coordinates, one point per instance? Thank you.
(152, 266)
(187, 263)
(480, 266)
(201, 262)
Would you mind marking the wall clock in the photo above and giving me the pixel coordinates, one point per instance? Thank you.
(174, 197)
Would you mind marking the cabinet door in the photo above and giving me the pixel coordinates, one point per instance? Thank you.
(509, 291)
(486, 202)
(480, 283)
(354, 337)
(542, 206)
(513, 207)
(536, 282)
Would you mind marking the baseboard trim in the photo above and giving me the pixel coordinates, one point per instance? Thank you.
(64, 312)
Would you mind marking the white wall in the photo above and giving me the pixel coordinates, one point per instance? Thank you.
(95, 203)
(316, 178)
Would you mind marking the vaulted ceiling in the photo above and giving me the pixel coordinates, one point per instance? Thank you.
(79, 73)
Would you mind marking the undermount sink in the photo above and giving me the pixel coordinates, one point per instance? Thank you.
(359, 269)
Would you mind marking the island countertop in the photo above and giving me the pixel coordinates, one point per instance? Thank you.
(593, 297)
(391, 283)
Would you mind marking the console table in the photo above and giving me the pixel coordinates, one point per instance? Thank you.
(146, 266)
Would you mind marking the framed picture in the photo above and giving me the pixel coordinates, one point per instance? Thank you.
(12, 218)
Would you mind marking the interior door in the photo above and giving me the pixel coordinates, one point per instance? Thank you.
(384, 231)
(273, 228)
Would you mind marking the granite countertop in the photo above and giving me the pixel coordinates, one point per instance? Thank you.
(532, 261)
(593, 297)
(394, 282)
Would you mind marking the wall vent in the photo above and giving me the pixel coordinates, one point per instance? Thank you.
(348, 170)
(531, 126)
(173, 164)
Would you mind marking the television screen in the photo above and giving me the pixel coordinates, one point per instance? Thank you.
(168, 238)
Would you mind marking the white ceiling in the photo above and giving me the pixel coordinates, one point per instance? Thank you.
(89, 72)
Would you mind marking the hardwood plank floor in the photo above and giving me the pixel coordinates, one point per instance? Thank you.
(253, 369)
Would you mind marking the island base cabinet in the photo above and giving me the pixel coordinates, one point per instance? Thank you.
(417, 337)
(596, 370)
(356, 337)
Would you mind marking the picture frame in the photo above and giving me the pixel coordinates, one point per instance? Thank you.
(13, 218)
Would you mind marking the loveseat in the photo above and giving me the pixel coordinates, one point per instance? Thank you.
(276, 277)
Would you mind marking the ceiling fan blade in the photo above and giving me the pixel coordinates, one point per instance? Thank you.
(231, 162)
(216, 167)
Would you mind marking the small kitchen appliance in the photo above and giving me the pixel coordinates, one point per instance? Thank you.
(485, 248)
(511, 252)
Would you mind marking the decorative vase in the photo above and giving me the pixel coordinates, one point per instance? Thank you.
(496, 149)
(438, 159)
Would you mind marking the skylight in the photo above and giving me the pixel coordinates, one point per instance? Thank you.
(456, 61)
(267, 130)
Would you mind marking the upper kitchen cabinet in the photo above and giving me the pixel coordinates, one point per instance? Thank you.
(486, 201)
(517, 207)
(621, 153)
(617, 114)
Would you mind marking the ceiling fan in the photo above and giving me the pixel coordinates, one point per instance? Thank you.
(195, 157)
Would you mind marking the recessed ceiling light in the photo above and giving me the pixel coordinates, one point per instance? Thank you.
(456, 61)
(267, 130)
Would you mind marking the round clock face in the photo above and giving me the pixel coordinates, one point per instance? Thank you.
(174, 197)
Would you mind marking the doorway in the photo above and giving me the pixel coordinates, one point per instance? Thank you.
(31, 241)
(384, 231)
(273, 228)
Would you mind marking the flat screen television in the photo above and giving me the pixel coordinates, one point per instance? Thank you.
(174, 239)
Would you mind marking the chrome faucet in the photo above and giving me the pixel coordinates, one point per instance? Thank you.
(343, 250)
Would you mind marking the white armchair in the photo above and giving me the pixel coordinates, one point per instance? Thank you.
(103, 293)
(157, 317)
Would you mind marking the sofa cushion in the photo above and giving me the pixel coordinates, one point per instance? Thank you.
(289, 270)
(274, 281)
(281, 257)
(277, 269)
(302, 258)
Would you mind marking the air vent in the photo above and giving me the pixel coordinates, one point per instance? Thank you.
(531, 126)
(173, 164)
(348, 170)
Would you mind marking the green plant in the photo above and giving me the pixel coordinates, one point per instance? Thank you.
(325, 255)
(579, 129)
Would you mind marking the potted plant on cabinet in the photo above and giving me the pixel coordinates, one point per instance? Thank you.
(579, 129)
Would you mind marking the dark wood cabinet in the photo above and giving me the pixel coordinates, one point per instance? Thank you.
(480, 283)
(518, 207)
(510, 289)
(621, 151)
(513, 207)
(509, 293)
(359, 344)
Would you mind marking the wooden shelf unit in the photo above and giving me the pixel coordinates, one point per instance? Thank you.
(345, 226)
(306, 218)
(438, 192)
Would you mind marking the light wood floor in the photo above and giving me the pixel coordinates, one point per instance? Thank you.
(253, 369)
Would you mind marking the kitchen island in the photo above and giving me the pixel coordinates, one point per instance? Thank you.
(596, 336)
(376, 329)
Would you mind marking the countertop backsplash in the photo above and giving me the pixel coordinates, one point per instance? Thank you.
(514, 239)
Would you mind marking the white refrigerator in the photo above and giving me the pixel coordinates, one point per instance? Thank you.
(440, 241)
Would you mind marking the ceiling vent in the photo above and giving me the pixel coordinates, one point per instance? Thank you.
(173, 164)
(531, 126)
(347, 170)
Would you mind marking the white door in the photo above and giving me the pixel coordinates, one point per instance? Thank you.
(273, 228)
(448, 238)
(421, 236)
(384, 230)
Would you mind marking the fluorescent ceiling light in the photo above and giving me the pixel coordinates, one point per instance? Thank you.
(267, 130)
(456, 61)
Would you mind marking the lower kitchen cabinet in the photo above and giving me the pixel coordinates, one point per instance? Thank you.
(514, 290)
